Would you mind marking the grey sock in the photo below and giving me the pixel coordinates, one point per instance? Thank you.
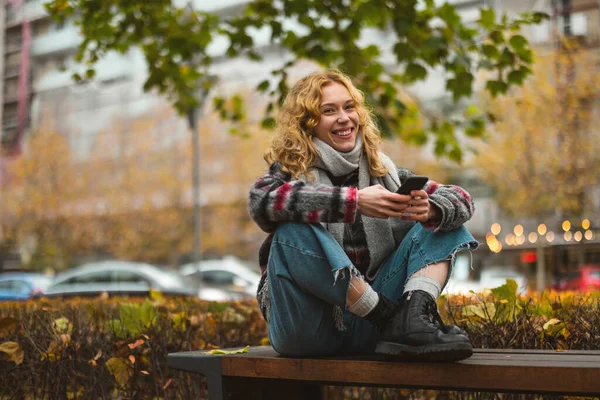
(425, 283)
(366, 303)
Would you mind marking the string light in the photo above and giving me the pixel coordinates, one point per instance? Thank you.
(496, 228)
(566, 225)
(568, 236)
(550, 237)
(589, 235)
(542, 229)
(509, 239)
(533, 237)
(585, 224)
(578, 236)
(520, 239)
(518, 230)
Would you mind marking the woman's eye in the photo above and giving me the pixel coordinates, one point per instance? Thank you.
(327, 110)
(349, 106)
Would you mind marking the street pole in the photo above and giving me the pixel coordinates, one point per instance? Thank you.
(193, 116)
(541, 267)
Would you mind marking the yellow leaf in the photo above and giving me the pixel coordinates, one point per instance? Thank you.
(219, 351)
(14, 352)
(120, 369)
(553, 321)
(132, 359)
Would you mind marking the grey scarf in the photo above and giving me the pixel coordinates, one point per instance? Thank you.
(380, 239)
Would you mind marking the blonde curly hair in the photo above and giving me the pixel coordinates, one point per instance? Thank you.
(292, 143)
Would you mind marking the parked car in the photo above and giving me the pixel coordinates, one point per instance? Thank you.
(22, 285)
(229, 274)
(119, 277)
(584, 278)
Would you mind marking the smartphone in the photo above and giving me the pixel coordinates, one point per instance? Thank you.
(413, 183)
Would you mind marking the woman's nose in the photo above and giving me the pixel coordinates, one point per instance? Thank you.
(343, 117)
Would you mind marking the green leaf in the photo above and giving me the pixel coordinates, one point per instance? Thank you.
(497, 37)
(263, 86)
(461, 85)
(490, 51)
(487, 20)
(518, 42)
(447, 12)
(147, 314)
(496, 87)
(415, 72)
(517, 76)
(268, 123)
(118, 329)
(130, 316)
(508, 291)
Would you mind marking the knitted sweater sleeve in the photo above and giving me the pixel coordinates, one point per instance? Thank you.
(455, 203)
(275, 197)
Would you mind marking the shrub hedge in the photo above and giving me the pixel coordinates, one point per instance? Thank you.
(114, 348)
(117, 347)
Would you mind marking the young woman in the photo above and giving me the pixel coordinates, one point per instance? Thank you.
(350, 266)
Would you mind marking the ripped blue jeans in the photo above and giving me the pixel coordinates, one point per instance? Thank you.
(309, 275)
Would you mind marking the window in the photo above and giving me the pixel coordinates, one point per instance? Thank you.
(15, 286)
(127, 276)
(93, 277)
(218, 277)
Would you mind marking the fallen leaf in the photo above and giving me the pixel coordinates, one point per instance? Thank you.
(219, 351)
(137, 343)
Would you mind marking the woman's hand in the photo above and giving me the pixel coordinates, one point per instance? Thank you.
(376, 201)
(419, 208)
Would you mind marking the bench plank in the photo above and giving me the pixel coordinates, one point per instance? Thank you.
(526, 371)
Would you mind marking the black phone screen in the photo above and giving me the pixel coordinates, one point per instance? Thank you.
(413, 183)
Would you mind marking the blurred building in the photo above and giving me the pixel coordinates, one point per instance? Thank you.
(37, 86)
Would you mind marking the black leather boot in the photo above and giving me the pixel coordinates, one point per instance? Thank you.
(416, 331)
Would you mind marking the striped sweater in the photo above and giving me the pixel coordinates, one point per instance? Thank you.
(276, 197)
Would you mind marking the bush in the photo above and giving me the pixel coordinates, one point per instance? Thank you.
(114, 348)
(500, 318)
(117, 348)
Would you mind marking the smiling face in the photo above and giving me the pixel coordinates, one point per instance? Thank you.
(338, 123)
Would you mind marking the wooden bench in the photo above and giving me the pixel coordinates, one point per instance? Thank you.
(263, 374)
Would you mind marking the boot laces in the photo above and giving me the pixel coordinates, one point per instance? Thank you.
(433, 316)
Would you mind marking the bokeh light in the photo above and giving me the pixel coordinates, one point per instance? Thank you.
(550, 237)
(578, 236)
(533, 237)
(542, 229)
(585, 224)
(568, 236)
(566, 225)
(518, 230)
(589, 235)
(496, 228)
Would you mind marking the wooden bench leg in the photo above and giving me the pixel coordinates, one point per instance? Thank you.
(237, 388)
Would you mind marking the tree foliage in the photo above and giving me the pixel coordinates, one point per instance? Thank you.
(131, 196)
(415, 37)
(544, 155)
